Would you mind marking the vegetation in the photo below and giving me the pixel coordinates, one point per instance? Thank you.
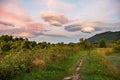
(54, 71)
(85, 44)
(102, 44)
(97, 67)
(21, 59)
(108, 36)
(115, 60)
(117, 47)
(22, 56)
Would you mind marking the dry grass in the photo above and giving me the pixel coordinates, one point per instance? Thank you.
(107, 51)
(39, 63)
(97, 67)
(111, 67)
(104, 51)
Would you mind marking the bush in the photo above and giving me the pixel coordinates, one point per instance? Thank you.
(85, 44)
(13, 65)
(117, 48)
(102, 44)
(5, 47)
(22, 55)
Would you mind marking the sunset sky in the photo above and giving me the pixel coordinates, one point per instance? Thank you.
(58, 20)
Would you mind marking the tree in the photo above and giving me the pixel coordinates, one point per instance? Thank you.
(43, 45)
(85, 44)
(102, 44)
(71, 44)
(5, 46)
(6, 38)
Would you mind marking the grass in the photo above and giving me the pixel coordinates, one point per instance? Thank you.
(111, 55)
(54, 71)
(105, 51)
(97, 67)
(115, 59)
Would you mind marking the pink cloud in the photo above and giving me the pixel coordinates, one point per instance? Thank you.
(11, 13)
(24, 34)
(35, 27)
(12, 17)
(6, 23)
(26, 31)
(53, 18)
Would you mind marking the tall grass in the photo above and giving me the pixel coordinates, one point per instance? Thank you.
(115, 60)
(97, 67)
(105, 51)
(14, 64)
(54, 71)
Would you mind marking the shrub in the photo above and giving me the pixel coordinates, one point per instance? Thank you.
(22, 55)
(117, 49)
(85, 44)
(102, 44)
(13, 65)
(5, 47)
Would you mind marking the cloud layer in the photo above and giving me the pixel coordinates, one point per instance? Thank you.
(15, 20)
(52, 20)
(89, 27)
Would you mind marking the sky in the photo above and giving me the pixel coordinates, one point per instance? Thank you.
(58, 20)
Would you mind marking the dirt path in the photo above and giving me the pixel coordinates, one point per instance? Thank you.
(76, 74)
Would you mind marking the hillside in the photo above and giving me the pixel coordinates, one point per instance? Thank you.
(108, 36)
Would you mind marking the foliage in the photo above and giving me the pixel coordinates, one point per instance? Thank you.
(108, 36)
(6, 38)
(5, 46)
(102, 44)
(41, 60)
(22, 55)
(117, 47)
(54, 71)
(97, 67)
(85, 44)
(13, 65)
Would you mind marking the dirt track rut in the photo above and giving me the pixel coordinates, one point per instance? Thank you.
(76, 74)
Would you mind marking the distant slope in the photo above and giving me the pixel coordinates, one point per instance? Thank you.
(108, 36)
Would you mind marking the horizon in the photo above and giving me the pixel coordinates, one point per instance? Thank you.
(58, 20)
(58, 41)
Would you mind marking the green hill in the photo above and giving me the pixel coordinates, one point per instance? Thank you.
(108, 36)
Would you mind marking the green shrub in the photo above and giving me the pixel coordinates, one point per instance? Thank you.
(85, 44)
(102, 44)
(22, 54)
(117, 48)
(5, 47)
(13, 65)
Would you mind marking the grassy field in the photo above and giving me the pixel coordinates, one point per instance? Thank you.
(98, 67)
(54, 71)
(21, 59)
(115, 60)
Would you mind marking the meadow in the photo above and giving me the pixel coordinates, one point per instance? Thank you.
(21, 59)
(99, 67)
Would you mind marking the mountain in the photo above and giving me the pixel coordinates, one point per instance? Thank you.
(108, 36)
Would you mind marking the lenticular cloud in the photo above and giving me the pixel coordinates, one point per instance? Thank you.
(55, 19)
